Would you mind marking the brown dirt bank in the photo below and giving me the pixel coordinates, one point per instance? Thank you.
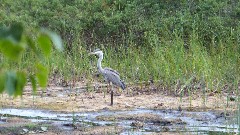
(80, 100)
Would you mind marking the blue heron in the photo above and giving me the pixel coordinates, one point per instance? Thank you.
(111, 76)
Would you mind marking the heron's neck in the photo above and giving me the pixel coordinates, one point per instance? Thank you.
(99, 64)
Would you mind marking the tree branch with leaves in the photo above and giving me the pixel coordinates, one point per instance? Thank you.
(14, 41)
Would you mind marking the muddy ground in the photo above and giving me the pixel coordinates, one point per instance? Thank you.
(95, 98)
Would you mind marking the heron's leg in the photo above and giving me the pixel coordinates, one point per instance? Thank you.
(111, 94)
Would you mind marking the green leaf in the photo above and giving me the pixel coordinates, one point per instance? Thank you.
(15, 82)
(45, 44)
(34, 83)
(13, 33)
(16, 31)
(2, 82)
(21, 82)
(56, 39)
(11, 82)
(11, 50)
(42, 75)
(31, 44)
(4, 32)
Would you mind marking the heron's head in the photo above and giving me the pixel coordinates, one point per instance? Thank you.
(98, 52)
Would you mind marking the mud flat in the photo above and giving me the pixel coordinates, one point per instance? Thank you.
(59, 110)
(81, 100)
(139, 121)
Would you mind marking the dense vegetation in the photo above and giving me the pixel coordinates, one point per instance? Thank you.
(13, 43)
(165, 40)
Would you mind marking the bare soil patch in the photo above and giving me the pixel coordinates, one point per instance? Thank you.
(82, 99)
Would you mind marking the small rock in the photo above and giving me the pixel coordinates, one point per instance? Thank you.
(232, 98)
(44, 129)
(32, 132)
(127, 105)
(25, 130)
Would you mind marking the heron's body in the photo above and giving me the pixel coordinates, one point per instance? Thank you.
(110, 75)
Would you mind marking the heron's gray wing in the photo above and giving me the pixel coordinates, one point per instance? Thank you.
(111, 70)
(113, 76)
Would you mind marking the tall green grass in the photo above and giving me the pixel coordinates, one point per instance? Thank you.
(177, 59)
(169, 60)
(198, 39)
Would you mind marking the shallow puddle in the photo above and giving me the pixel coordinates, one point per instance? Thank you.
(134, 121)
